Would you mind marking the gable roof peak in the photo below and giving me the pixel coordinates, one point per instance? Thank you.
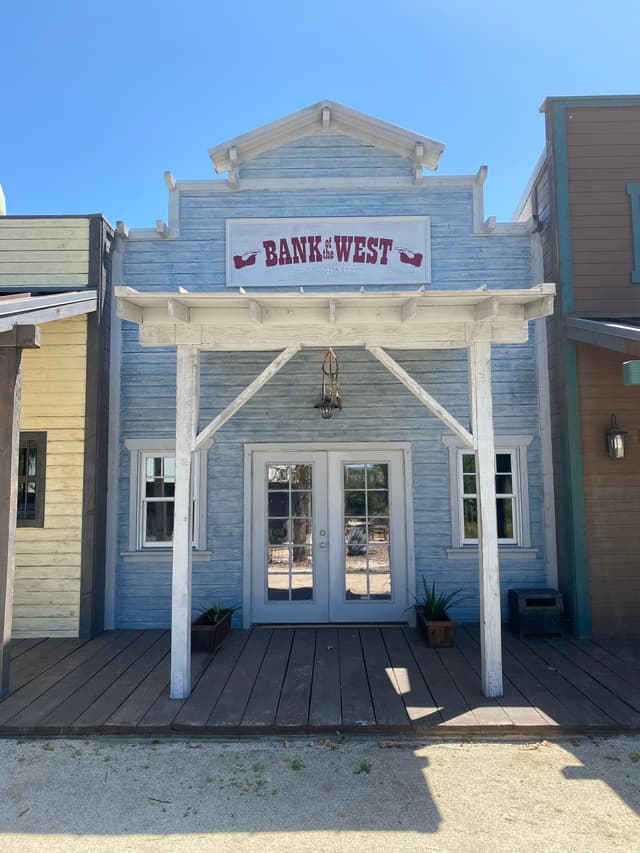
(326, 116)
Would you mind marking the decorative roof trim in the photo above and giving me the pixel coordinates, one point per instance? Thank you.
(326, 117)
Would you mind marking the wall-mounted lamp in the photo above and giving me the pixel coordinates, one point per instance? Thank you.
(615, 440)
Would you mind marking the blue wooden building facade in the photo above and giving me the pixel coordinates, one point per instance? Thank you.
(228, 484)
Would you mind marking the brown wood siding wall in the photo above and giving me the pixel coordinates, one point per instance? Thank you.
(612, 493)
(604, 155)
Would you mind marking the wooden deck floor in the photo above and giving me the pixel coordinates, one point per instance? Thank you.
(305, 680)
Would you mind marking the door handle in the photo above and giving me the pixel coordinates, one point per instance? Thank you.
(322, 545)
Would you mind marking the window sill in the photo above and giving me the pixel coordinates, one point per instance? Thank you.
(470, 552)
(162, 555)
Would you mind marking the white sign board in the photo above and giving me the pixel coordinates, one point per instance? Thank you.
(387, 250)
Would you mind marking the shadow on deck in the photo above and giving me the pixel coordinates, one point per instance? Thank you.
(373, 680)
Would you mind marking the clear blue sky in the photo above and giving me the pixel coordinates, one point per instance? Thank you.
(98, 99)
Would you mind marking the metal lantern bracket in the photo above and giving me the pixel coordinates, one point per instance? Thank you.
(330, 394)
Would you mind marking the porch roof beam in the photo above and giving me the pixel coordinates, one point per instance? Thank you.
(439, 319)
(206, 435)
(419, 392)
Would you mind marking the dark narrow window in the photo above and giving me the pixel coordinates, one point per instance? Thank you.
(31, 479)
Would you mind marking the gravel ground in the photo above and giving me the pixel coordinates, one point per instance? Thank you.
(578, 794)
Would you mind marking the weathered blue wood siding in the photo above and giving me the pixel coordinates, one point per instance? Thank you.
(376, 406)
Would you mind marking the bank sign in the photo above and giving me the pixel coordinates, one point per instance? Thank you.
(372, 250)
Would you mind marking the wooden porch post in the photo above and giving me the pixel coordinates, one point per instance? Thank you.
(187, 392)
(481, 404)
(11, 344)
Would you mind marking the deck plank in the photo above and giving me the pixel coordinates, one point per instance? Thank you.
(580, 710)
(20, 700)
(196, 710)
(40, 709)
(539, 696)
(486, 711)
(450, 702)
(388, 706)
(325, 710)
(357, 707)
(516, 705)
(36, 660)
(418, 701)
(620, 687)
(96, 714)
(127, 717)
(622, 668)
(262, 706)
(19, 647)
(228, 711)
(615, 708)
(66, 713)
(293, 709)
(165, 709)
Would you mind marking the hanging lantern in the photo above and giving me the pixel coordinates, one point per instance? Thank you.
(330, 395)
(615, 440)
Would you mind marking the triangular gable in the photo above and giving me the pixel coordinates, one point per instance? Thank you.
(327, 117)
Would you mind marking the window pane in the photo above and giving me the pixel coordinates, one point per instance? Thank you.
(469, 484)
(354, 503)
(33, 457)
(380, 586)
(278, 559)
(504, 507)
(159, 527)
(160, 477)
(278, 531)
(354, 476)
(378, 558)
(302, 531)
(301, 476)
(377, 476)
(301, 504)
(301, 587)
(504, 485)
(278, 504)
(503, 463)
(355, 586)
(470, 515)
(302, 560)
(278, 477)
(278, 588)
(468, 463)
(378, 503)
(22, 462)
(378, 530)
(355, 534)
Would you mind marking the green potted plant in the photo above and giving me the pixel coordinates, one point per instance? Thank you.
(433, 617)
(211, 627)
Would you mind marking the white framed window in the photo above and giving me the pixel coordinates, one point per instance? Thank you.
(152, 495)
(512, 492)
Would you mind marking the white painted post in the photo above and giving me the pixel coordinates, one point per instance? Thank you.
(187, 392)
(481, 404)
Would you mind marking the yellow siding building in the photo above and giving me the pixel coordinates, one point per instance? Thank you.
(48, 558)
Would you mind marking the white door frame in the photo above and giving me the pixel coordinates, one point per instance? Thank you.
(342, 447)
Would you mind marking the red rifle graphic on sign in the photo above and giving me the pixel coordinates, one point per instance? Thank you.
(247, 259)
(409, 257)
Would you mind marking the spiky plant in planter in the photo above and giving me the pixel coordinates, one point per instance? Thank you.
(211, 627)
(433, 616)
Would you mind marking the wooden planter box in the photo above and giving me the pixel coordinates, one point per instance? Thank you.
(438, 635)
(206, 637)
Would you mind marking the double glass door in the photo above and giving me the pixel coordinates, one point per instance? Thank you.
(328, 536)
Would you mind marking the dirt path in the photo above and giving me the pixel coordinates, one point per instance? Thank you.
(577, 794)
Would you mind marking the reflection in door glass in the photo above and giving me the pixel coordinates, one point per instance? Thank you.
(290, 529)
(367, 567)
